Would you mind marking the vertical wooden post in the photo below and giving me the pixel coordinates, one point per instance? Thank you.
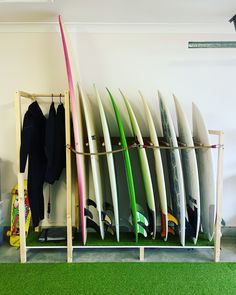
(219, 192)
(141, 253)
(21, 194)
(68, 179)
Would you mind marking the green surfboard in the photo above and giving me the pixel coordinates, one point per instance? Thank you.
(146, 175)
(138, 218)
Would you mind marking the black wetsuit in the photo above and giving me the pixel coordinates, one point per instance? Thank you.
(60, 142)
(32, 145)
(55, 143)
(50, 144)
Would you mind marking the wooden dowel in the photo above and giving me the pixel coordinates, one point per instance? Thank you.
(36, 95)
(47, 95)
(141, 254)
(219, 193)
(20, 179)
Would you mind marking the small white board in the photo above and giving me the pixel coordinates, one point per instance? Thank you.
(110, 162)
(95, 164)
(146, 175)
(190, 170)
(175, 169)
(158, 167)
(206, 174)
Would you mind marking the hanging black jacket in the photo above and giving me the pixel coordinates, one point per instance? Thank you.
(55, 143)
(50, 144)
(32, 147)
(60, 142)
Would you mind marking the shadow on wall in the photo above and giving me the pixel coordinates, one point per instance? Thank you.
(229, 203)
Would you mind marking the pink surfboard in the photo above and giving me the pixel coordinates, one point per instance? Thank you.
(77, 129)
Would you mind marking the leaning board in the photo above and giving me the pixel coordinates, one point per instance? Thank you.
(159, 170)
(95, 163)
(175, 170)
(110, 162)
(144, 169)
(190, 170)
(206, 174)
(137, 217)
(77, 127)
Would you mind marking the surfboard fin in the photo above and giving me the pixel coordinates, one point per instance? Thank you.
(91, 203)
(87, 213)
(109, 228)
(106, 218)
(92, 224)
(172, 219)
(171, 230)
(151, 216)
(144, 226)
(142, 230)
(163, 224)
(142, 219)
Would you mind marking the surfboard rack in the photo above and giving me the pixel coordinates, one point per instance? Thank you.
(115, 141)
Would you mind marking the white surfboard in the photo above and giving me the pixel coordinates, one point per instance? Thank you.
(159, 169)
(175, 169)
(110, 162)
(144, 169)
(190, 170)
(206, 174)
(95, 164)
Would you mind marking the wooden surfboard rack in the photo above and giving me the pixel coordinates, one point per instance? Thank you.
(69, 245)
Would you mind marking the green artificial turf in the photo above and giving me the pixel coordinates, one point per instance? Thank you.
(118, 278)
(126, 239)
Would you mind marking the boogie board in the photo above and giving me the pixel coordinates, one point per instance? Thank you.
(77, 127)
(138, 219)
(174, 169)
(190, 170)
(144, 169)
(206, 174)
(110, 162)
(95, 162)
(14, 232)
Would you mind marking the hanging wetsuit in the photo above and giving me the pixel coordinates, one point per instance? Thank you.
(32, 146)
(50, 144)
(55, 143)
(60, 142)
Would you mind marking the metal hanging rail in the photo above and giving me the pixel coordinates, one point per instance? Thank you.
(211, 44)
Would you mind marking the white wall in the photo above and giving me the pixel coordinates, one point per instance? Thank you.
(34, 62)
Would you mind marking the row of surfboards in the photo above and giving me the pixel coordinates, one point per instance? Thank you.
(192, 205)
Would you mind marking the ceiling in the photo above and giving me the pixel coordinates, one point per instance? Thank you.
(121, 11)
